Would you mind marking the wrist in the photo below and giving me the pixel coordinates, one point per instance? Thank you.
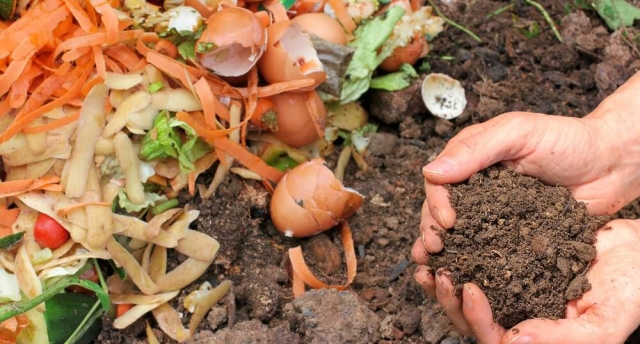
(616, 122)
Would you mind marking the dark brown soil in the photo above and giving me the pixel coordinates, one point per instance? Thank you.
(527, 245)
(508, 71)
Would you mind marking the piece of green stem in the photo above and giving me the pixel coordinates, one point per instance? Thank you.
(11, 309)
(103, 284)
(89, 319)
(454, 24)
(162, 207)
(547, 18)
(499, 10)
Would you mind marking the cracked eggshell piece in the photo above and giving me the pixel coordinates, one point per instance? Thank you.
(290, 55)
(443, 96)
(236, 40)
(309, 200)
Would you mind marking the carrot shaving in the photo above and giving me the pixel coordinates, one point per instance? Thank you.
(22, 122)
(113, 65)
(18, 93)
(340, 9)
(207, 100)
(278, 88)
(55, 124)
(5, 106)
(166, 47)
(16, 68)
(109, 19)
(123, 54)
(172, 68)
(144, 39)
(81, 16)
(68, 209)
(202, 129)
(249, 160)
(252, 102)
(277, 9)
(101, 65)
(8, 216)
(30, 45)
(158, 180)
(191, 182)
(16, 187)
(301, 269)
(75, 54)
(297, 286)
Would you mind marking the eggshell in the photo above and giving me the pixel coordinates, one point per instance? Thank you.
(443, 96)
(290, 55)
(410, 54)
(239, 41)
(295, 125)
(323, 26)
(309, 200)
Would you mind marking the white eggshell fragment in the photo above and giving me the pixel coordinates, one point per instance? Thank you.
(443, 96)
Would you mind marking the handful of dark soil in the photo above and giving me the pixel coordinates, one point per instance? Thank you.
(525, 244)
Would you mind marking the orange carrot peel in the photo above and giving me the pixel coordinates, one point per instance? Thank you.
(302, 274)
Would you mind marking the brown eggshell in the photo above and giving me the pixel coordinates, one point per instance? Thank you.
(297, 215)
(239, 41)
(323, 26)
(288, 216)
(279, 64)
(295, 126)
(407, 54)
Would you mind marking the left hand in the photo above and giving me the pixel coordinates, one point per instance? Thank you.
(608, 313)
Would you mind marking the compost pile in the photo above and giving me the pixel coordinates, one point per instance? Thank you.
(525, 244)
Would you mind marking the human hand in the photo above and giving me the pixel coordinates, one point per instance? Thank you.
(608, 313)
(596, 157)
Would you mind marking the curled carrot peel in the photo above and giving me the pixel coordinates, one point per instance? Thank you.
(165, 47)
(340, 9)
(8, 217)
(16, 187)
(249, 160)
(302, 271)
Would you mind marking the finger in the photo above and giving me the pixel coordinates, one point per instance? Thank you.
(439, 204)
(572, 310)
(425, 278)
(431, 231)
(587, 329)
(505, 139)
(477, 311)
(419, 252)
(451, 304)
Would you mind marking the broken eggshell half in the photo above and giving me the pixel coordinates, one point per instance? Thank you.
(309, 200)
(443, 96)
(290, 55)
(232, 43)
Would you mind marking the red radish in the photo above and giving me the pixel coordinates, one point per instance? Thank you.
(49, 233)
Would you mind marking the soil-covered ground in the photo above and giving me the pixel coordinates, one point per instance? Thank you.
(518, 66)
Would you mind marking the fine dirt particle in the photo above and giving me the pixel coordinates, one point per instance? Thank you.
(525, 244)
(330, 316)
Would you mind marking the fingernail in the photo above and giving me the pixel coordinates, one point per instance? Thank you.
(439, 166)
(521, 340)
(467, 299)
(420, 269)
(441, 289)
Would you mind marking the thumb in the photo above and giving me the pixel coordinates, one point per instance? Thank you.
(502, 140)
(586, 329)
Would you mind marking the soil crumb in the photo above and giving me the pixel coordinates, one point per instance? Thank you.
(525, 244)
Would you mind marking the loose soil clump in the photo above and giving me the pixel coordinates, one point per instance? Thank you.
(525, 244)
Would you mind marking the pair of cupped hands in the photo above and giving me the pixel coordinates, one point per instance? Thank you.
(598, 158)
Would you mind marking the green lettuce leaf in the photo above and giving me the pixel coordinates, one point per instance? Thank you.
(395, 81)
(370, 36)
(163, 141)
(150, 200)
(616, 13)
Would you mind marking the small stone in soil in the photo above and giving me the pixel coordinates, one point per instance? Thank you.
(521, 242)
(331, 316)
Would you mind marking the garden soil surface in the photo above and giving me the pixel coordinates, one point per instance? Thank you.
(519, 66)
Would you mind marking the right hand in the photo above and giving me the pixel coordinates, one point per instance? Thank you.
(597, 157)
